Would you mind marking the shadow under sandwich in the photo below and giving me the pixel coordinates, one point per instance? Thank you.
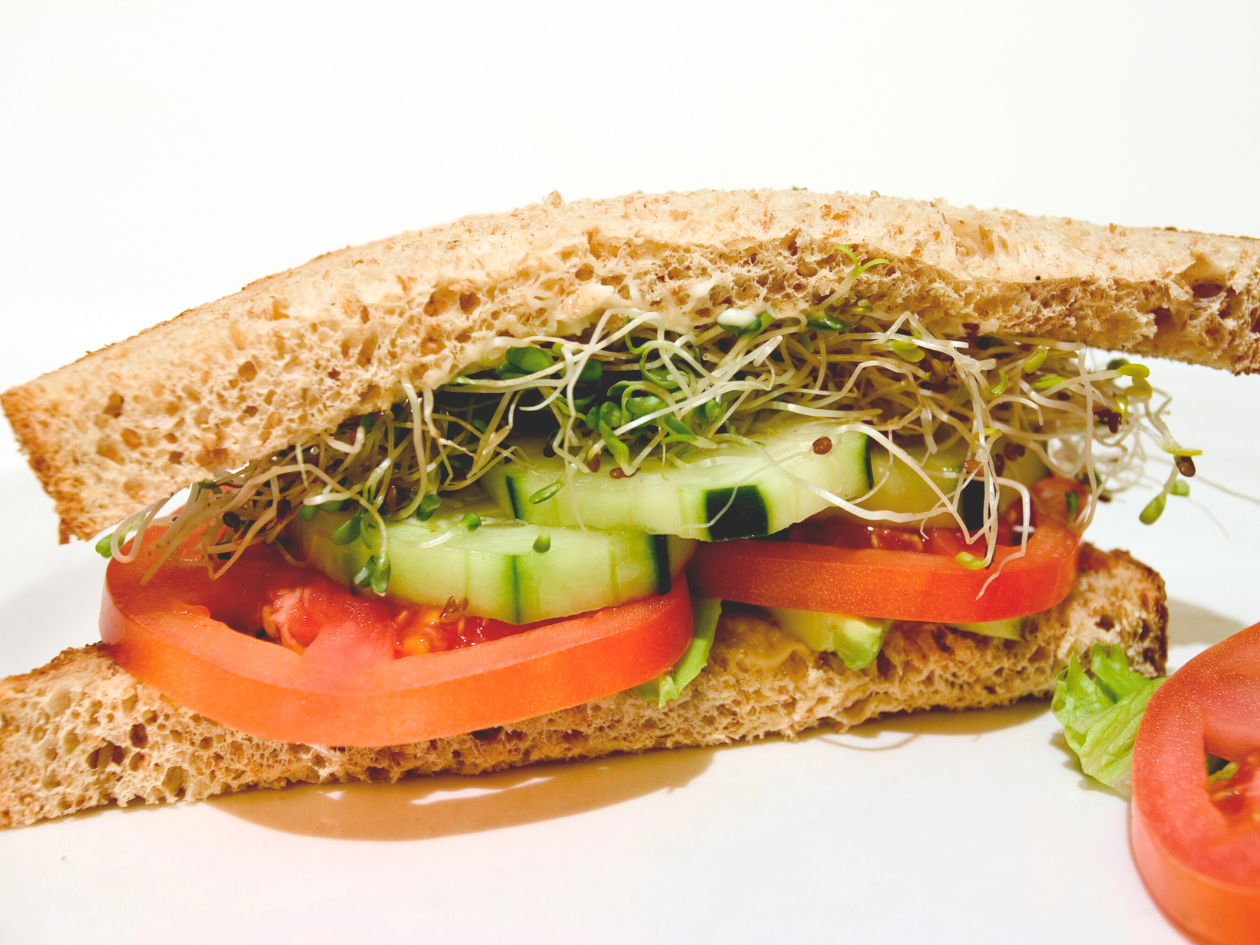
(424, 808)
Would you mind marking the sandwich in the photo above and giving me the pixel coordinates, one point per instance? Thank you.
(609, 476)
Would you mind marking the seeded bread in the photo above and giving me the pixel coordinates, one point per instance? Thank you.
(298, 352)
(82, 732)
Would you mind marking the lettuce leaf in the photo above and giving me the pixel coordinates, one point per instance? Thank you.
(1100, 715)
(669, 685)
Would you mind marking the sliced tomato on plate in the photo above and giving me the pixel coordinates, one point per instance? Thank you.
(1197, 840)
(181, 632)
(892, 573)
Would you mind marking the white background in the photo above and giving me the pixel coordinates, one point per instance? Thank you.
(157, 156)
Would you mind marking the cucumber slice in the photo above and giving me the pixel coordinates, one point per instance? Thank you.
(497, 566)
(729, 492)
(856, 640)
(903, 489)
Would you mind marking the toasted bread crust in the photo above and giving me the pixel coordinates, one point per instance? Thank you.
(297, 352)
(82, 732)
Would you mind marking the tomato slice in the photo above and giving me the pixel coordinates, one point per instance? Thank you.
(888, 581)
(347, 686)
(1057, 497)
(1196, 842)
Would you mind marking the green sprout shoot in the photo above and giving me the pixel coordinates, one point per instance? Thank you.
(546, 492)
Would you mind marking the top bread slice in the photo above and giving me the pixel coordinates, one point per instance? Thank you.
(298, 352)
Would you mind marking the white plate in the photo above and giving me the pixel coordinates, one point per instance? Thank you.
(971, 827)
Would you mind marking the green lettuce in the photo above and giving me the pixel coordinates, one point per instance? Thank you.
(669, 685)
(1100, 713)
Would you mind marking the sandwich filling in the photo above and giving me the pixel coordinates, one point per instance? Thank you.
(571, 473)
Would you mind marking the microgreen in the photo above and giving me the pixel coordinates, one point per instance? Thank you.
(859, 267)
(827, 323)
(428, 505)
(349, 530)
(743, 322)
(374, 573)
(104, 545)
(1035, 360)
(1046, 381)
(528, 360)
(546, 492)
(908, 351)
(1153, 510)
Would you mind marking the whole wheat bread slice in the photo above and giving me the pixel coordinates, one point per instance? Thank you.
(82, 732)
(296, 353)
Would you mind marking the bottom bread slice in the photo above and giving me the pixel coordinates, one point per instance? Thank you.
(82, 732)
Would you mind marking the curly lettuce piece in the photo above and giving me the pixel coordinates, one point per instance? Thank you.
(1100, 714)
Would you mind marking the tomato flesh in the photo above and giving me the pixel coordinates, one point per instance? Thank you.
(840, 567)
(1197, 842)
(888, 581)
(307, 615)
(349, 685)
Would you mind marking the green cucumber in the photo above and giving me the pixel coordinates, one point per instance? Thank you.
(903, 489)
(729, 492)
(508, 570)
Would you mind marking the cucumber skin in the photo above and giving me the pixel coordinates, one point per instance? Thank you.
(686, 501)
(971, 504)
(513, 499)
(905, 491)
(497, 569)
(737, 513)
(661, 555)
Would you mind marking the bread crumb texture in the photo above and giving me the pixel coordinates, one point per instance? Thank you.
(81, 732)
(298, 352)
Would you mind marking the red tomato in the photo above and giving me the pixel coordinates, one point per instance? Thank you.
(302, 613)
(346, 687)
(887, 582)
(1197, 843)
(1057, 497)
